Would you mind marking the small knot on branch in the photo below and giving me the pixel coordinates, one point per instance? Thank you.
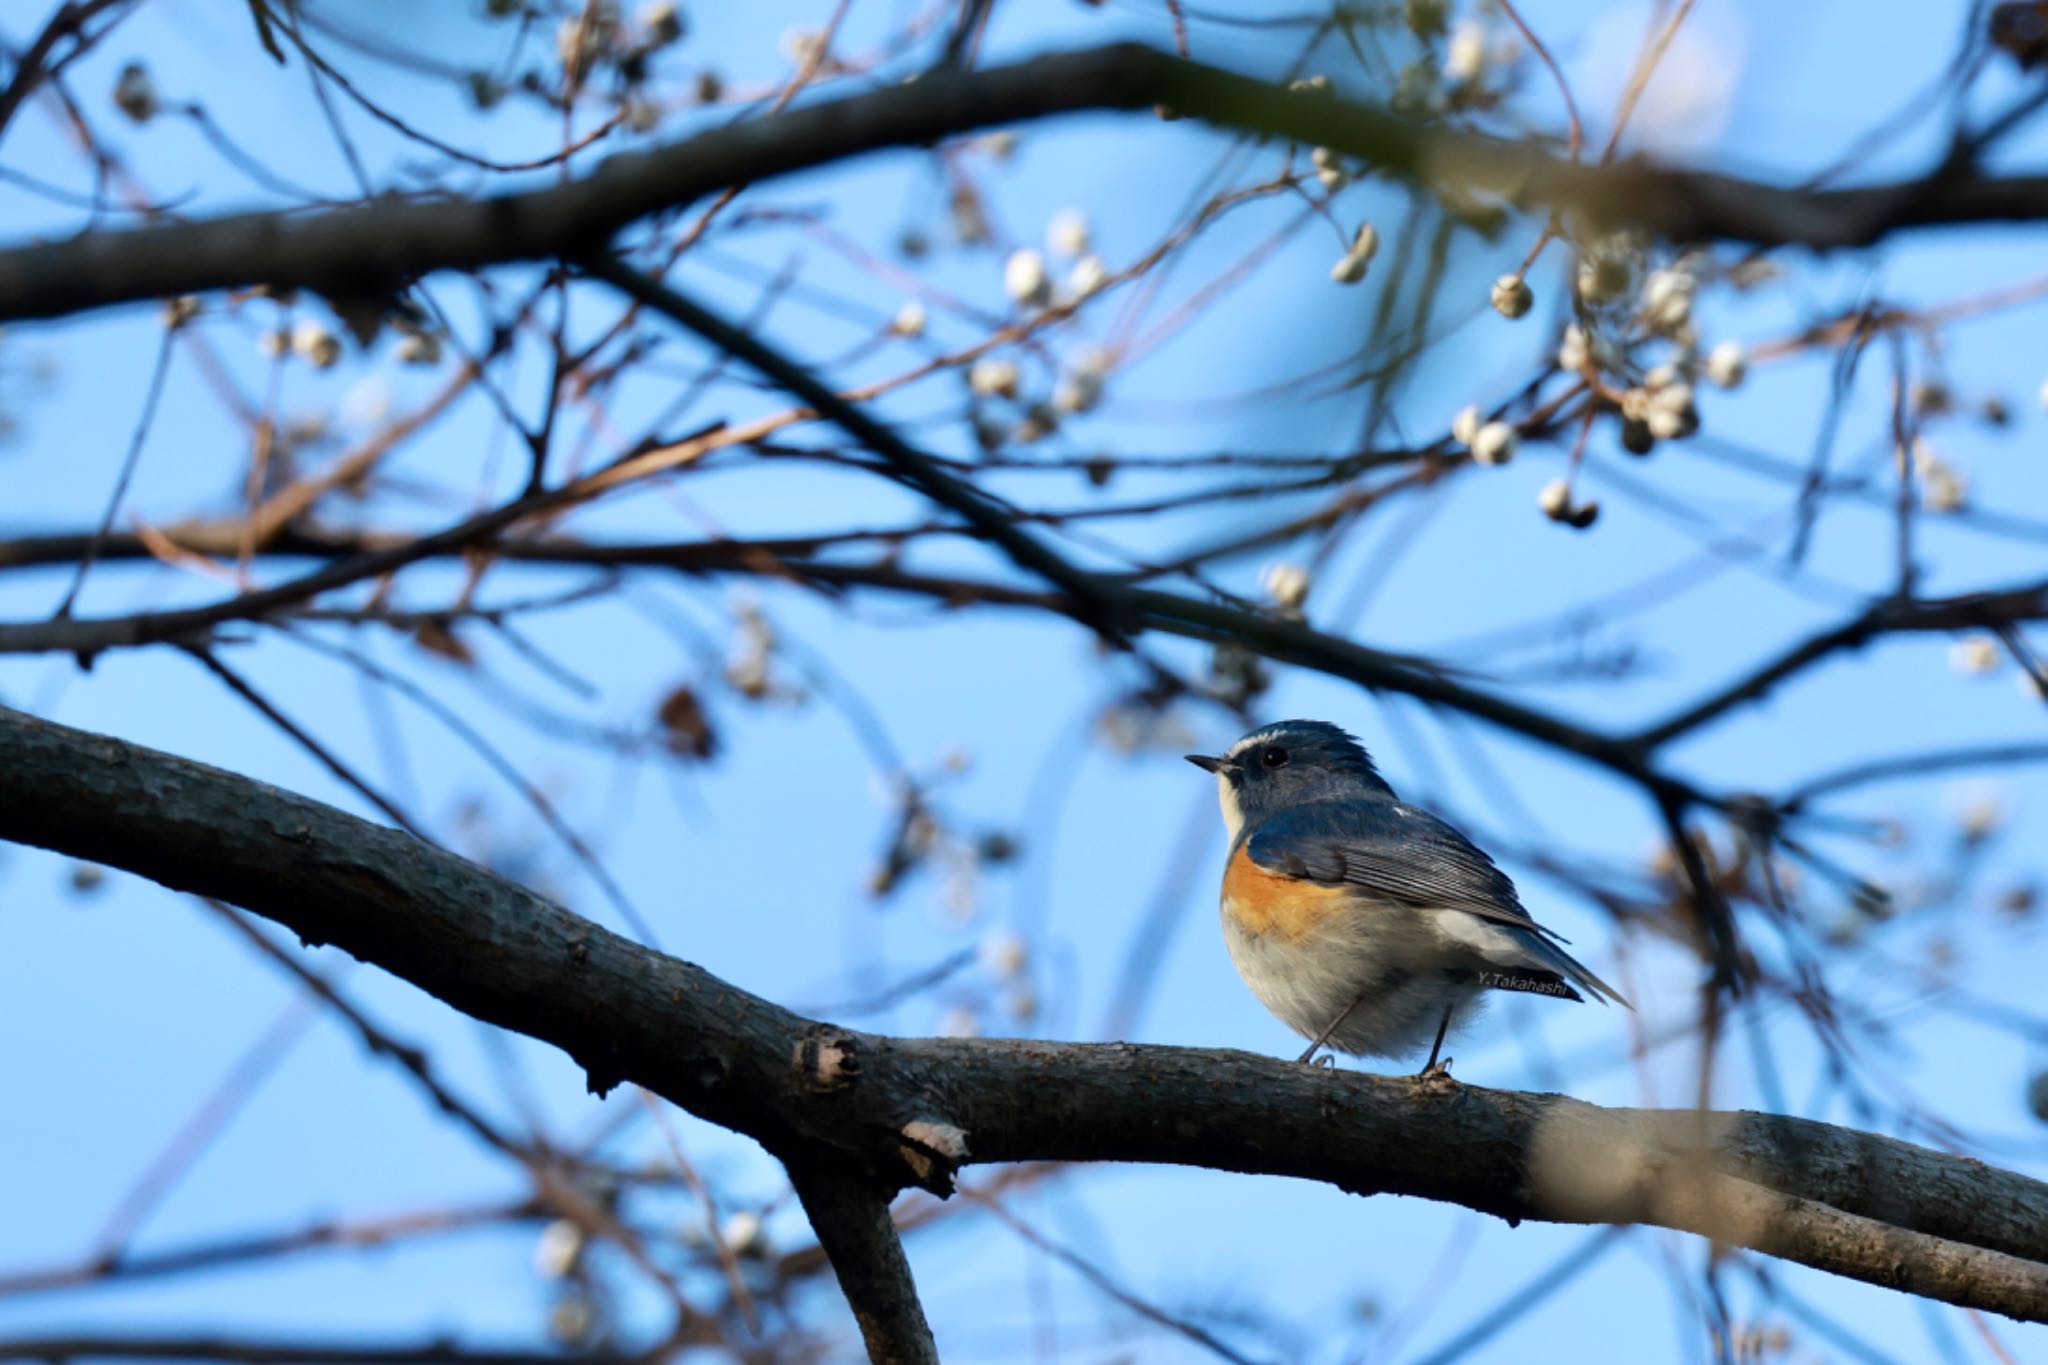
(826, 1060)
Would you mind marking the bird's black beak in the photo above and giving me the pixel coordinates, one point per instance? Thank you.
(1206, 763)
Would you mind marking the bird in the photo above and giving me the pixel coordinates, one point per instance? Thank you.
(1361, 921)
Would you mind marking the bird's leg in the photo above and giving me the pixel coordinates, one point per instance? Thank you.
(1335, 1024)
(1433, 1070)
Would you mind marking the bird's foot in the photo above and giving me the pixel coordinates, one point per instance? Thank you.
(1310, 1057)
(1437, 1073)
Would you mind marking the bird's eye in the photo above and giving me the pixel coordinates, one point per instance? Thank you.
(1274, 757)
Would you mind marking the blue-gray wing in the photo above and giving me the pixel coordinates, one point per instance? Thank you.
(1391, 850)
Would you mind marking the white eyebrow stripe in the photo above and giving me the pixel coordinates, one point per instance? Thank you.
(1250, 741)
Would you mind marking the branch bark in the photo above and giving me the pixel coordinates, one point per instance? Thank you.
(384, 244)
(881, 1113)
(859, 1238)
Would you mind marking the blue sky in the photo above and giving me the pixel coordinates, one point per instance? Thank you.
(126, 1007)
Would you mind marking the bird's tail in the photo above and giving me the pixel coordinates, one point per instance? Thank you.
(1550, 957)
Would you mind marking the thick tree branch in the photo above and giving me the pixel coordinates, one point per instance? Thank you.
(884, 1112)
(860, 1240)
(384, 244)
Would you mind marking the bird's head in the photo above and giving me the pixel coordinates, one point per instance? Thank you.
(1289, 763)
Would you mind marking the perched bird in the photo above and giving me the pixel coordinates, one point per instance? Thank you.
(1361, 921)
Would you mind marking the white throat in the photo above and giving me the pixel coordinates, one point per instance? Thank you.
(1233, 810)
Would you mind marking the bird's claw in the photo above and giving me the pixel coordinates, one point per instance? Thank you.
(1436, 1073)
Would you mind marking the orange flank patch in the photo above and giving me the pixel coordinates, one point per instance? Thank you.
(1262, 902)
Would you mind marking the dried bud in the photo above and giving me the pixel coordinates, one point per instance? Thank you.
(1088, 275)
(1512, 297)
(1932, 398)
(1974, 655)
(1068, 233)
(1287, 584)
(744, 1235)
(1667, 300)
(685, 728)
(1329, 168)
(993, 377)
(1727, 364)
(1602, 279)
(1025, 280)
(135, 93)
(1465, 57)
(1039, 421)
(1004, 955)
(1668, 412)
(662, 23)
(1944, 487)
(990, 431)
(420, 348)
(1350, 269)
(1495, 443)
(1573, 354)
(909, 320)
(1636, 437)
(485, 90)
(318, 346)
(1078, 392)
(1465, 425)
(559, 1248)
(1556, 499)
